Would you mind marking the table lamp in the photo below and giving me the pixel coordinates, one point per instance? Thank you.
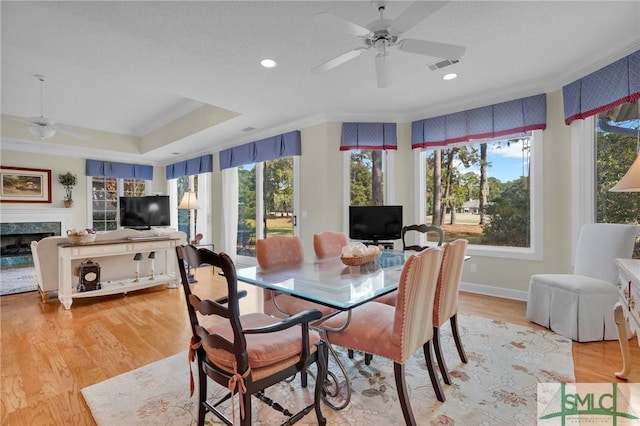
(152, 256)
(137, 258)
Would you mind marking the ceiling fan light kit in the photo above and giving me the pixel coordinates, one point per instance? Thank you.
(384, 34)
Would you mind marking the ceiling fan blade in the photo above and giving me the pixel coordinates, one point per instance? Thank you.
(431, 48)
(414, 14)
(73, 134)
(383, 70)
(339, 60)
(341, 24)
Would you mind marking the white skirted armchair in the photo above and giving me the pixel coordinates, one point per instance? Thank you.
(580, 305)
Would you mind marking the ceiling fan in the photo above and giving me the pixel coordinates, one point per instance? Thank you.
(384, 34)
(43, 128)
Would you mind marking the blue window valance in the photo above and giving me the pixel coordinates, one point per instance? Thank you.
(613, 85)
(375, 136)
(506, 118)
(194, 166)
(118, 170)
(279, 146)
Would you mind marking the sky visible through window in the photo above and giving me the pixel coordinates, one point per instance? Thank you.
(507, 163)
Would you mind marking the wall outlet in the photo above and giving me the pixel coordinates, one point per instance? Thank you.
(474, 267)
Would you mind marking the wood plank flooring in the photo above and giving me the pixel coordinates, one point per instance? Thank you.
(48, 354)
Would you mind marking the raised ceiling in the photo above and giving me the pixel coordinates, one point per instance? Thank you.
(132, 68)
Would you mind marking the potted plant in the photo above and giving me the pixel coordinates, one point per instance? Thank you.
(68, 180)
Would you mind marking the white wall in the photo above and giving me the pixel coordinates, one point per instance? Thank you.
(322, 206)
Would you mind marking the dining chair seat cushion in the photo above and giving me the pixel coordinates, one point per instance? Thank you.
(263, 350)
(292, 305)
(575, 306)
(370, 331)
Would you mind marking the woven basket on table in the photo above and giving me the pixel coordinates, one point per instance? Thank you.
(81, 239)
(359, 260)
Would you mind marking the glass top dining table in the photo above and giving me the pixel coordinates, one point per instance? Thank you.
(330, 282)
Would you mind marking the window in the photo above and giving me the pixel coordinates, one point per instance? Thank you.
(266, 199)
(616, 135)
(485, 192)
(104, 195)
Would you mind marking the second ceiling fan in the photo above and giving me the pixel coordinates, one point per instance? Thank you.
(384, 35)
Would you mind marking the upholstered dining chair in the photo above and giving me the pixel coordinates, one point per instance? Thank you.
(277, 252)
(329, 244)
(396, 332)
(580, 305)
(446, 301)
(246, 353)
(424, 229)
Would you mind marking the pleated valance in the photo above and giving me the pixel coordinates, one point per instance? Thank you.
(279, 146)
(374, 136)
(118, 170)
(604, 89)
(194, 166)
(506, 118)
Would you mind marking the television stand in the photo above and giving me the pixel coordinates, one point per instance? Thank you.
(387, 245)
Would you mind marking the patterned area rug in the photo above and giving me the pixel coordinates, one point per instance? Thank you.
(17, 280)
(497, 386)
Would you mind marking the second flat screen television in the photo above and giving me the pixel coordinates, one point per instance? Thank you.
(375, 223)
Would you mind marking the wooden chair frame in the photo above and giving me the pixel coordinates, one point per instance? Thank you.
(228, 307)
(425, 229)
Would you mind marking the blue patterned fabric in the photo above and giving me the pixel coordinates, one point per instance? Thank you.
(507, 118)
(375, 136)
(613, 85)
(118, 170)
(279, 146)
(194, 166)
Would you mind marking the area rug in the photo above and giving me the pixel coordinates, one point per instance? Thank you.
(497, 386)
(17, 280)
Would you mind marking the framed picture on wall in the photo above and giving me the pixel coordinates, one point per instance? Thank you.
(24, 185)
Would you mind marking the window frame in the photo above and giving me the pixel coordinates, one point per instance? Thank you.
(388, 181)
(119, 193)
(535, 252)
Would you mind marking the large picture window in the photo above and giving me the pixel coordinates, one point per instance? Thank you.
(616, 148)
(483, 192)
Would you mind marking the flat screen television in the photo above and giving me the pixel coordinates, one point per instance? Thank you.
(144, 212)
(375, 223)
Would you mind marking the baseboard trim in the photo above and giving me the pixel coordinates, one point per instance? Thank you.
(487, 290)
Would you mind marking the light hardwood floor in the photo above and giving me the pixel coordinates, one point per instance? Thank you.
(50, 354)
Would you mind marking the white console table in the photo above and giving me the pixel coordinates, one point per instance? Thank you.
(627, 309)
(70, 255)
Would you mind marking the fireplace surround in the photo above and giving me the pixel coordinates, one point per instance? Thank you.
(18, 227)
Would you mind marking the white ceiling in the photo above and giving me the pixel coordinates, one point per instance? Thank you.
(131, 67)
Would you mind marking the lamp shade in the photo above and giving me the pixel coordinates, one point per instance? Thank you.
(630, 182)
(138, 256)
(189, 201)
(152, 255)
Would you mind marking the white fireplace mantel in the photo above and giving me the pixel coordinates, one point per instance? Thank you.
(38, 215)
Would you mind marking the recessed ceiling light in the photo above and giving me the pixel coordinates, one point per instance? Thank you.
(268, 63)
(450, 76)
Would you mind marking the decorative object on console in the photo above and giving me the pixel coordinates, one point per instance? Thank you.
(189, 202)
(81, 236)
(89, 276)
(630, 182)
(137, 258)
(152, 256)
(24, 185)
(68, 180)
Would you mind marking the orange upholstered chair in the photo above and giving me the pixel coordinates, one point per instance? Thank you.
(397, 332)
(446, 300)
(279, 252)
(329, 244)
